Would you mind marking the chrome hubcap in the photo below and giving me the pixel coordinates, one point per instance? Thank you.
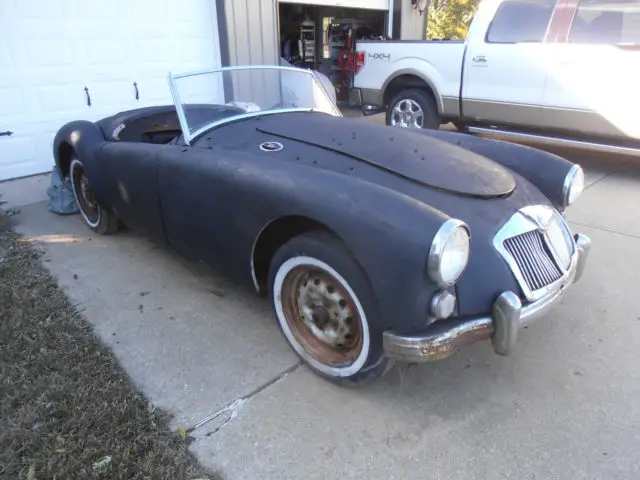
(407, 114)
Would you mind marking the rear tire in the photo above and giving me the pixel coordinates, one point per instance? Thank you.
(413, 108)
(327, 310)
(95, 216)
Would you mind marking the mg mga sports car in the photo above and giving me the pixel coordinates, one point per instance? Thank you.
(375, 244)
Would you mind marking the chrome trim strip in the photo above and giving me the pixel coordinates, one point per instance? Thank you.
(238, 67)
(445, 337)
(557, 142)
(181, 118)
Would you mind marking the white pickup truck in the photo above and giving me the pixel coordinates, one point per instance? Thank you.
(560, 71)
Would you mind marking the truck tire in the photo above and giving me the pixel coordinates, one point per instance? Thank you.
(413, 108)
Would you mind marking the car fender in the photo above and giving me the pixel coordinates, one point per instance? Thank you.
(372, 221)
(545, 170)
(85, 139)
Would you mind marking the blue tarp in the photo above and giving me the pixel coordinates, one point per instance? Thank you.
(60, 192)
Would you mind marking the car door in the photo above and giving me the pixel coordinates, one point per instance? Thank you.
(127, 173)
(593, 76)
(504, 74)
(200, 206)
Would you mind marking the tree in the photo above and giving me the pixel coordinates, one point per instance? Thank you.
(450, 19)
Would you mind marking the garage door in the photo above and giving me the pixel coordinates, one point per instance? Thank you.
(370, 4)
(62, 60)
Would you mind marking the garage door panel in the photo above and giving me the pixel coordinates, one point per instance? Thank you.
(154, 50)
(22, 151)
(47, 52)
(62, 100)
(50, 51)
(37, 9)
(96, 11)
(12, 103)
(105, 52)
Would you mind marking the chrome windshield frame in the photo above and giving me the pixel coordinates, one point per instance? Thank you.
(188, 136)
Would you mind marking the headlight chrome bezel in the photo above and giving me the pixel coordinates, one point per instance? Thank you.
(574, 179)
(438, 250)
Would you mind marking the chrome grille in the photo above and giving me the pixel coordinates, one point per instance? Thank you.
(534, 259)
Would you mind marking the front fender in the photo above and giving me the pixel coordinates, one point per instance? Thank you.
(546, 171)
(388, 233)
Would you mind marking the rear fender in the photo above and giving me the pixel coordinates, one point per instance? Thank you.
(83, 140)
(82, 137)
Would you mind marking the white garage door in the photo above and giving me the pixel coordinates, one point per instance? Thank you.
(63, 60)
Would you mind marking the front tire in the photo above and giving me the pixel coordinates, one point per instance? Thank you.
(413, 108)
(327, 310)
(96, 217)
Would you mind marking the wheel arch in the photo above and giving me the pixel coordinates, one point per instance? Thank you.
(272, 236)
(409, 78)
(80, 137)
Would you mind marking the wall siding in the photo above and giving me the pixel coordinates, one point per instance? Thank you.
(248, 32)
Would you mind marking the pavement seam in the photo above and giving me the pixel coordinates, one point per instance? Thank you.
(598, 181)
(234, 406)
(604, 229)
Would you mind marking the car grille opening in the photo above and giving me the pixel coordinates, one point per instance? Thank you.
(535, 261)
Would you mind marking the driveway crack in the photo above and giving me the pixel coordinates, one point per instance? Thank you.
(230, 411)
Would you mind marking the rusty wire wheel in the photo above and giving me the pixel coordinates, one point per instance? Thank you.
(98, 219)
(89, 208)
(321, 316)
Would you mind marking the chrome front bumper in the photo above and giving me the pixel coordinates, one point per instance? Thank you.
(444, 338)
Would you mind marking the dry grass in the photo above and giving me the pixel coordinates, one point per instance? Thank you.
(64, 400)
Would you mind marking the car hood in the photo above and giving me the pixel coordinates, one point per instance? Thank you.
(400, 152)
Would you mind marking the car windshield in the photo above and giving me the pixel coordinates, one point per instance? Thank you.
(209, 98)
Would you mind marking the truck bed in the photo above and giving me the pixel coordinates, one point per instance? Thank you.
(440, 60)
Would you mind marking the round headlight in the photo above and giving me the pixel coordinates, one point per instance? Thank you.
(449, 253)
(573, 185)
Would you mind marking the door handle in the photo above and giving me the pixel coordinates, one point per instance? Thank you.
(6, 134)
(480, 59)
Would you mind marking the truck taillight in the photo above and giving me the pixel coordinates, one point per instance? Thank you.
(359, 63)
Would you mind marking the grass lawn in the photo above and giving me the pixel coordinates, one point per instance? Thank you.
(65, 403)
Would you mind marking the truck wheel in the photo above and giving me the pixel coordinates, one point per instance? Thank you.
(413, 108)
(327, 310)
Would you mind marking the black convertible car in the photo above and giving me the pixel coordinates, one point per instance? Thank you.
(375, 244)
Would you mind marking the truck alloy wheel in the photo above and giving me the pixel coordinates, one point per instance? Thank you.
(412, 108)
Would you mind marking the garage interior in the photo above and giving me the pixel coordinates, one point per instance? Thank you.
(323, 38)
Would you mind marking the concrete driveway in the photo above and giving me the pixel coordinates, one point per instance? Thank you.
(564, 407)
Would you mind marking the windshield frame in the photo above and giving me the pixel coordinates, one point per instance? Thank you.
(188, 136)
